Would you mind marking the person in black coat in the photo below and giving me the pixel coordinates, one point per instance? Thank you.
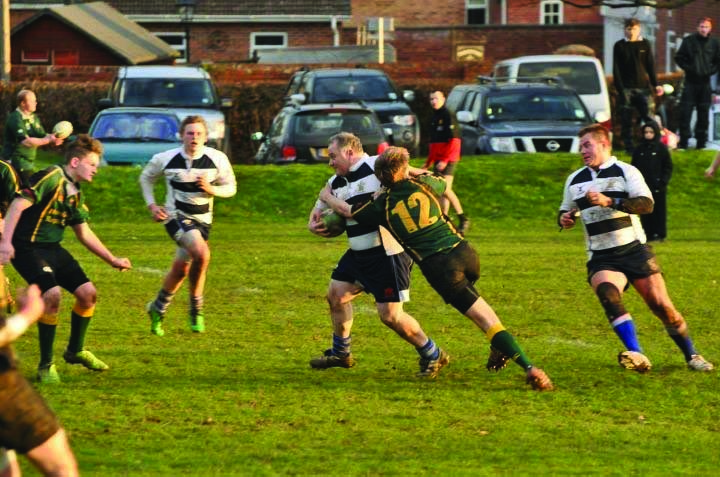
(653, 160)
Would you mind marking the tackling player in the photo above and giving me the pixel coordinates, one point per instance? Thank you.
(410, 209)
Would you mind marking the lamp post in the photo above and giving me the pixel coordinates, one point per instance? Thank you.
(186, 9)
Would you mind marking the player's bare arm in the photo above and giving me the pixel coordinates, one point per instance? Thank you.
(567, 219)
(91, 241)
(158, 212)
(337, 204)
(17, 206)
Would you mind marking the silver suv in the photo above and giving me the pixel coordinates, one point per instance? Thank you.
(186, 90)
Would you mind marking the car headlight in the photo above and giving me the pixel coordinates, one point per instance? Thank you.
(502, 144)
(216, 129)
(404, 119)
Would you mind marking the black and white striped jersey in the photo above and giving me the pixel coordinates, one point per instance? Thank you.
(606, 227)
(356, 187)
(184, 198)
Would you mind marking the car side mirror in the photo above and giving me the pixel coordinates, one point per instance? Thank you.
(226, 103)
(104, 103)
(298, 98)
(257, 136)
(599, 116)
(409, 95)
(465, 117)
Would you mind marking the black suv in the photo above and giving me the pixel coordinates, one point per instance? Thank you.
(372, 88)
(300, 133)
(517, 116)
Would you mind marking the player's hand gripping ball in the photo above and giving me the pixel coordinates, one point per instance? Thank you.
(334, 223)
(63, 129)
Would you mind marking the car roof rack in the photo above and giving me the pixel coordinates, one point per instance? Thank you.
(496, 80)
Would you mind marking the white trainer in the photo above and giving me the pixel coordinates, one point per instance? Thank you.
(635, 361)
(698, 363)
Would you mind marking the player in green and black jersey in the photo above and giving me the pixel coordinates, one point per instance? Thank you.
(33, 230)
(410, 209)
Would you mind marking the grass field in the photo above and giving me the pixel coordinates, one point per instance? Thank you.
(241, 400)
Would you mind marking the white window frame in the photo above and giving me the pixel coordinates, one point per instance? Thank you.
(544, 15)
(180, 47)
(477, 5)
(255, 34)
(44, 61)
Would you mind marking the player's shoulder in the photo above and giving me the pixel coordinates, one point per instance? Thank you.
(165, 156)
(215, 154)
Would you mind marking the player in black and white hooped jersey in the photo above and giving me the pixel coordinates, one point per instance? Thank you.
(194, 175)
(608, 194)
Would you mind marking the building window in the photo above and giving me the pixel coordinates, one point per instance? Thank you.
(176, 40)
(35, 56)
(266, 41)
(551, 12)
(477, 12)
(66, 57)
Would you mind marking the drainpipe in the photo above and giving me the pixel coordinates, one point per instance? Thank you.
(336, 32)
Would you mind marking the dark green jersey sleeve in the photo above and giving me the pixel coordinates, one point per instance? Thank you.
(8, 186)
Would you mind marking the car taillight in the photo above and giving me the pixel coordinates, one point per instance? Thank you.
(381, 147)
(289, 153)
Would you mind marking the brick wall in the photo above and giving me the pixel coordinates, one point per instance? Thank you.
(452, 12)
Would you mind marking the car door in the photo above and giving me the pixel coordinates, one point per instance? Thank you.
(469, 131)
(271, 148)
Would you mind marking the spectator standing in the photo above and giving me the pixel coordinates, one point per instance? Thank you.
(634, 78)
(653, 161)
(444, 154)
(699, 57)
(23, 135)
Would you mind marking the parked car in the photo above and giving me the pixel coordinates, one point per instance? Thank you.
(134, 135)
(300, 133)
(373, 87)
(582, 73)
(518, 117)
(187, 90)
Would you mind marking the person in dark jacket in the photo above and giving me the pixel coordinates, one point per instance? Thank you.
(699, 57)
(653, 161)
(634, 79)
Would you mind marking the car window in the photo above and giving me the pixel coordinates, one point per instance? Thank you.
(467, 103)
(533, 106)
(502, 71)
(167, 92)
(136, 126)
(579, 75)
(319, 123)
(353, 88)
(454, 99)
(278, 127)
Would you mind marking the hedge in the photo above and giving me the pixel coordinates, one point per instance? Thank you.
(254, 106)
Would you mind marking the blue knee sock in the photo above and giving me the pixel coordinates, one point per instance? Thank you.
(341, 346)
(625, 329)
(683, 342)
(429, 350)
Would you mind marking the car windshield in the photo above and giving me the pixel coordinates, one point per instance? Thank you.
(136, 127)
(321, 123)
(353, 88)
(581, 76)
(177, 93)
(533, 106)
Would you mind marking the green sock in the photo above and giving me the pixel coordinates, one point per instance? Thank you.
(78, 330)
(506, 344)
(46, 335)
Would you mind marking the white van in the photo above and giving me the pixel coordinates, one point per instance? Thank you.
(582, 73)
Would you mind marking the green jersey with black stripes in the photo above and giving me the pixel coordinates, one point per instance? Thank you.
(411, 211)
(57, 203)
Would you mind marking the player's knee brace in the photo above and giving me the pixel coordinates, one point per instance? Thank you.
(611, 300)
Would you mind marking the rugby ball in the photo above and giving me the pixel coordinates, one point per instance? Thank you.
(63, 129)
(334, 222)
